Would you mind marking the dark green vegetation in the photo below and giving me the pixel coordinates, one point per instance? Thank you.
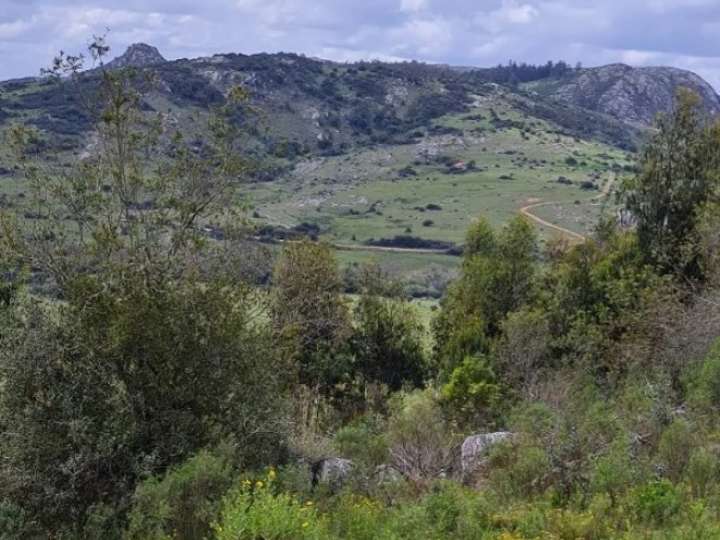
(165, 375)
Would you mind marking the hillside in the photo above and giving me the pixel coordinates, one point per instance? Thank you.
(632, 95)
(391, 154)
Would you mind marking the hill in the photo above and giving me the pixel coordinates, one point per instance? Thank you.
(632, 95)
(364, 153)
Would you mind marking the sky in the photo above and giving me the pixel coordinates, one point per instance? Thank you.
(680, 33)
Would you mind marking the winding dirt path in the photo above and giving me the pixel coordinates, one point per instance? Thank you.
(527, 211)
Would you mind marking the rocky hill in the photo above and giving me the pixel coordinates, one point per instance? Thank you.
(137, 55)
(308, 106)
(633, 95)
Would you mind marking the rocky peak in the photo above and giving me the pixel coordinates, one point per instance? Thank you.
(137, 55)
(634, 95)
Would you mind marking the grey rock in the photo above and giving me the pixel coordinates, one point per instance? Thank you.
(475, 448)
(632, 95)
(137, 55)
(332, 472)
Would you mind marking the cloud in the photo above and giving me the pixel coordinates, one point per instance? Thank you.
(682, 33)
(413, 5)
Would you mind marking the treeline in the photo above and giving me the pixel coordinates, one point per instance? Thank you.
(513, 73)
(154, 390)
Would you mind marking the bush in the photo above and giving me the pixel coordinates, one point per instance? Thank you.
(520, 471)
(472, 393)
(702, 472)
(613, 473)
(359, 518)
(676, 444)
(363, 442)
(705, 389)
(183, 503)
(253, 510)
(15, 523)
(419, 438)
(656, 502)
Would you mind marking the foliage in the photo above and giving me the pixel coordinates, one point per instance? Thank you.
(253, 510)
(497, 278)
(363, 441)
(388, 336)
(420, 441)
(472, 392)
(657, 502)
(679, 173)
(184, 503)
(307, 308)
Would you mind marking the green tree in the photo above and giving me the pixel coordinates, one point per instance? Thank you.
(498, 276)
(151, 355)
(472, 394)
(680, 172)
(388, 337)
(310, 315)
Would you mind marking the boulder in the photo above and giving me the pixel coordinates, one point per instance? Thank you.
(475, 448)
(331, 472)
(387, 474)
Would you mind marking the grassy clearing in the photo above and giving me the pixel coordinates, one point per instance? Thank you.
(367, 195)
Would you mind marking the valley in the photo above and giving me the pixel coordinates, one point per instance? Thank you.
(387, 162)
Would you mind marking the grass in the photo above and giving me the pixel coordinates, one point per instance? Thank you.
(362, 196)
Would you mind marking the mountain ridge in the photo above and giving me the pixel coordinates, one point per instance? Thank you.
(631, 94)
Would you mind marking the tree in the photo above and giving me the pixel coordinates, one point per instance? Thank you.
(497, 278)
(309, 313)
(680, 172)
(387, 341)
(472, 393)
(151, 355)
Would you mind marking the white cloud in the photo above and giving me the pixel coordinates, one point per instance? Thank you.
(412, 6)
(516, 13)
(13, 29)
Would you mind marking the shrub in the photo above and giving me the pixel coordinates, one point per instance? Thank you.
(183, 503)
(675, 447)
(472, 393)
(363, 442)
(656, 502)
(253, 510)
(15, 523)
(705, 389)
(359, 518)
(702, 472)
(519, 471)
(418, 436)
(613, 472)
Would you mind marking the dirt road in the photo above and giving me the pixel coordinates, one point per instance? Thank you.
(574, 236)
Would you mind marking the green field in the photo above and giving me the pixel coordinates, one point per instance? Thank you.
(488, 162)
(365, 195)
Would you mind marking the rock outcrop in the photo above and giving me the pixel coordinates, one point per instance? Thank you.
(474, 450)
(331, 472)
(632, 95)
(137, 55)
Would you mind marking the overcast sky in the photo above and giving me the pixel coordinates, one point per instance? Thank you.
(682, 33)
